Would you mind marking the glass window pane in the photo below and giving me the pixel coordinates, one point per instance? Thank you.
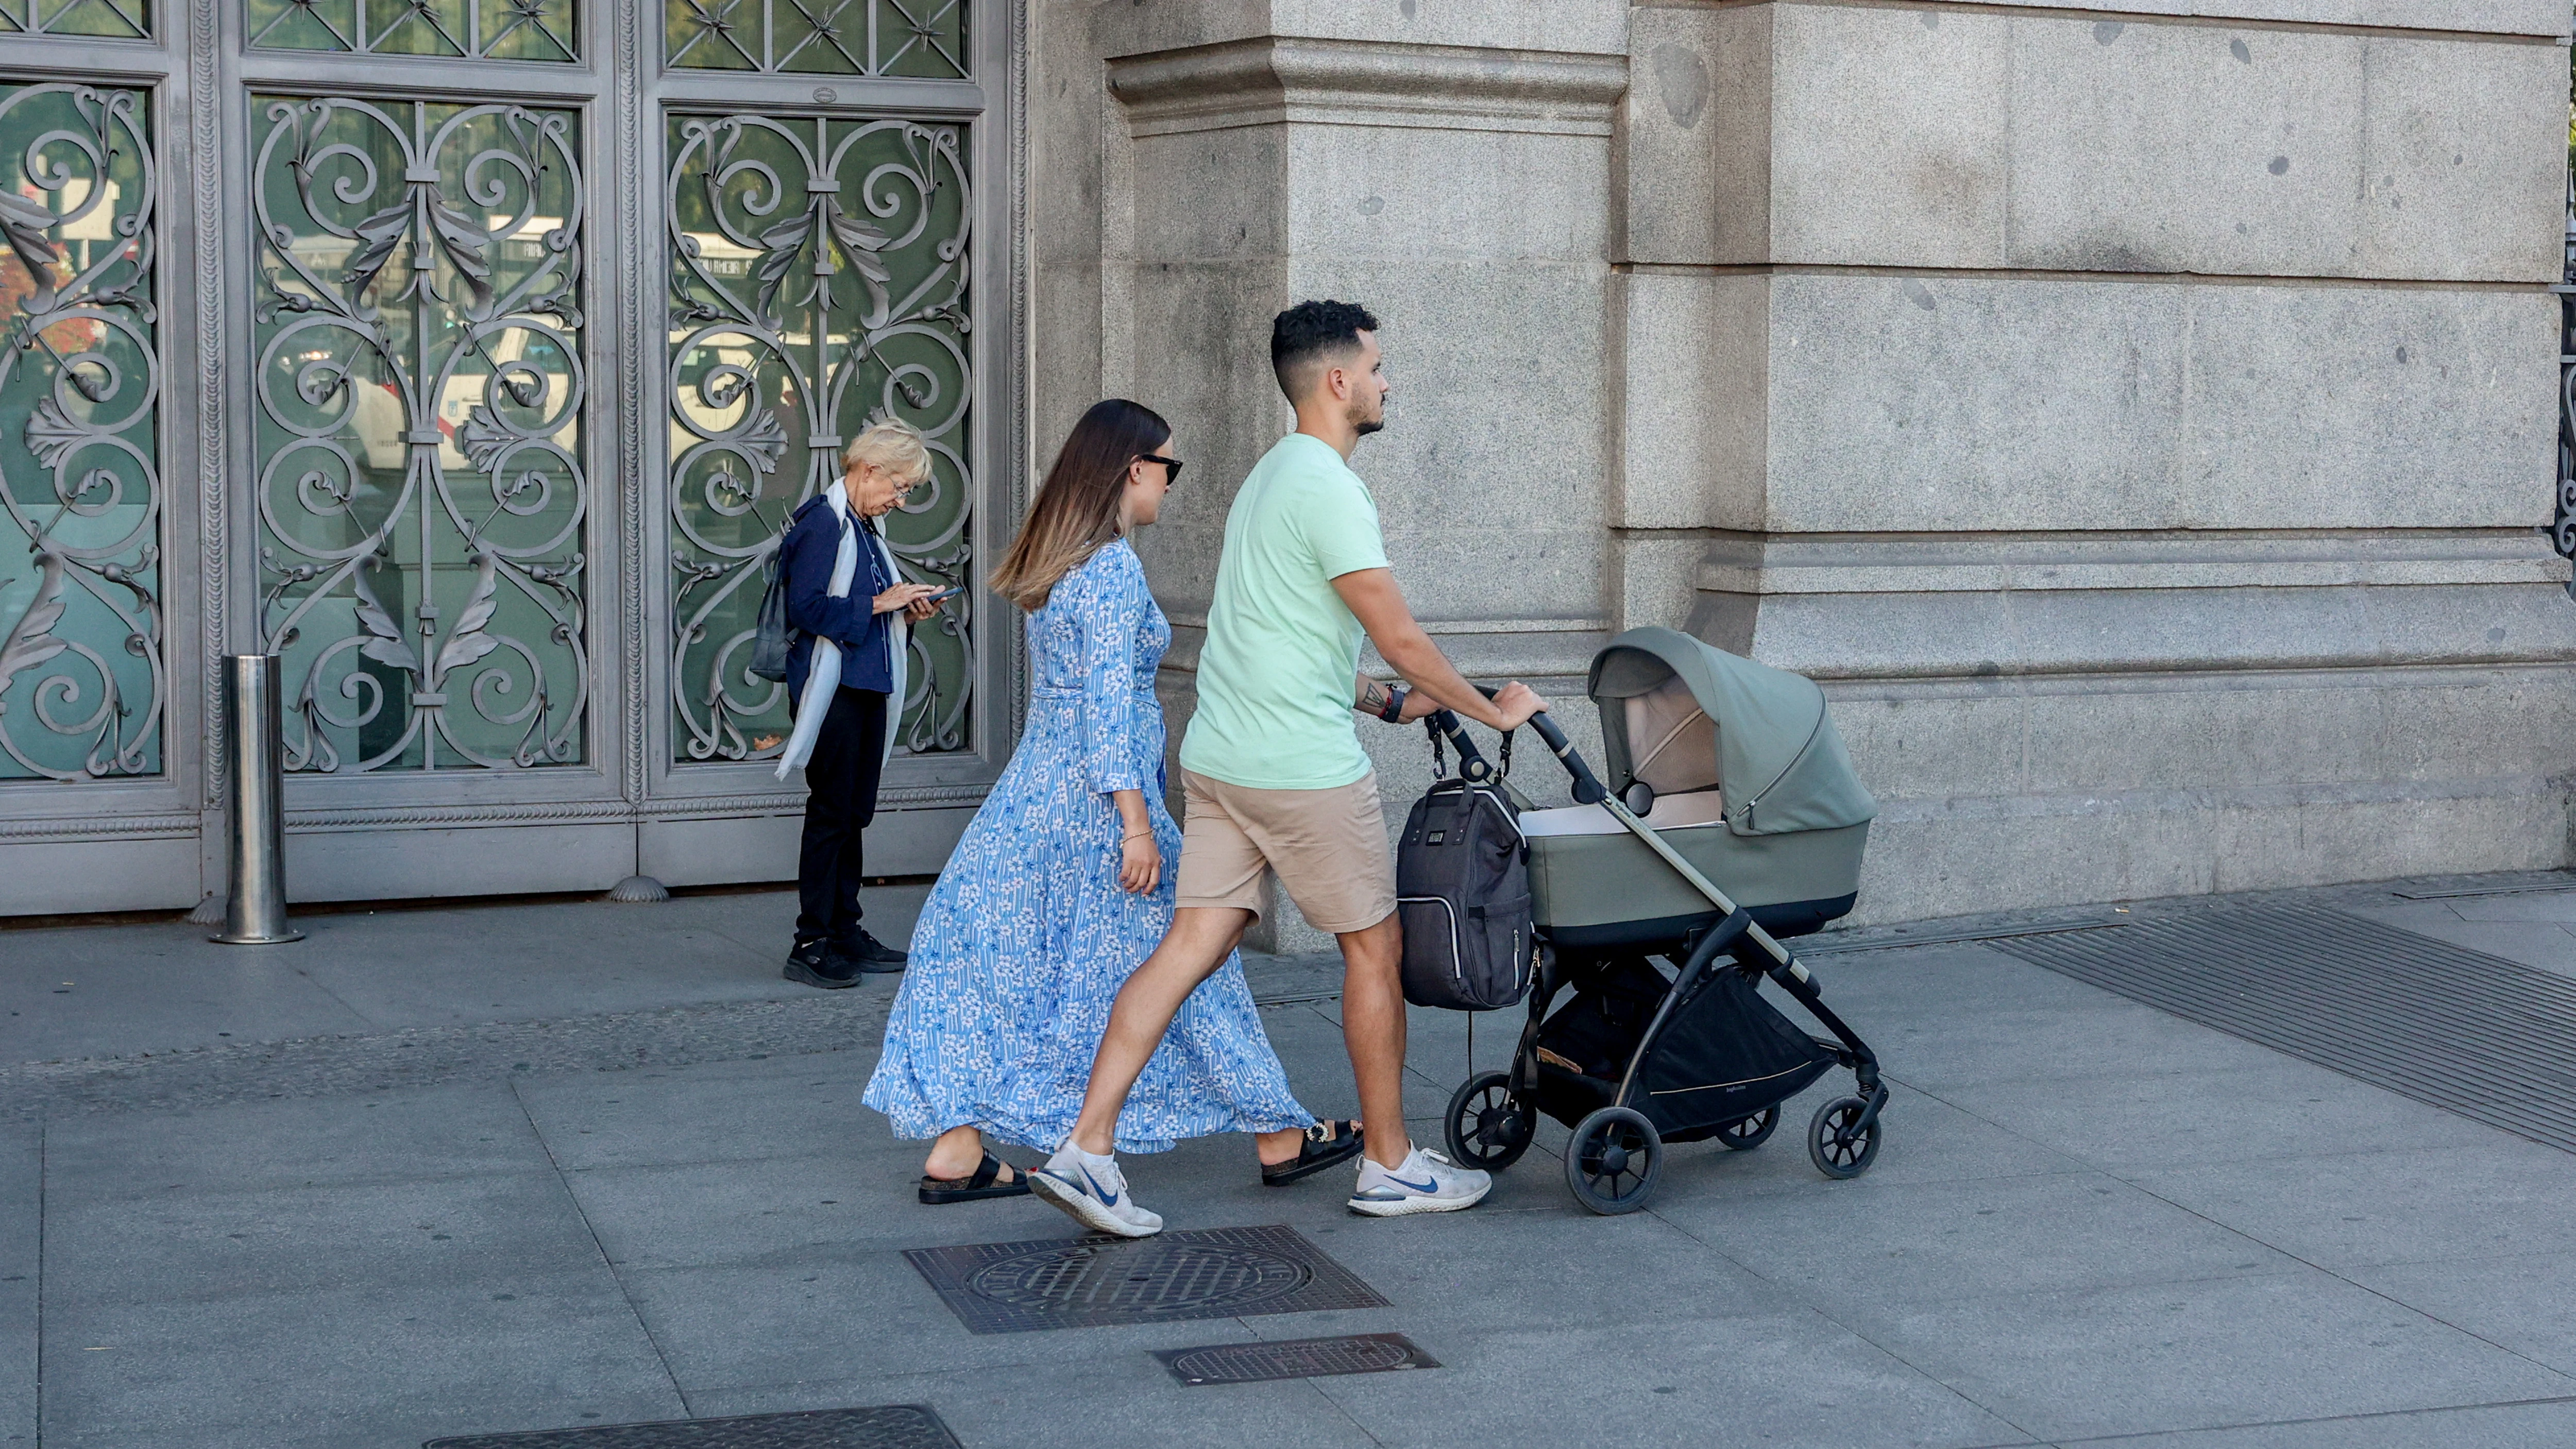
(819, 279)
(419, 431)
(923, 39)
(106, 19)
(455, 29)
(81, 647)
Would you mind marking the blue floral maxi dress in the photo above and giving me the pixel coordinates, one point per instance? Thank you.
(1027, 937)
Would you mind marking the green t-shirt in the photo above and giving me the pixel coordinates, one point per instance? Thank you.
(1282, 650)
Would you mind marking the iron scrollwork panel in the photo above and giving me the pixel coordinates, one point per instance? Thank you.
(819, 279)
(418, 425)
(82, 685)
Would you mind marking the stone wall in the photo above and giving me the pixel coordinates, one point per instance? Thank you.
(2139, 420)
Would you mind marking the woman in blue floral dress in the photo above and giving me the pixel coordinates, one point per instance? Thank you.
(1061, 885)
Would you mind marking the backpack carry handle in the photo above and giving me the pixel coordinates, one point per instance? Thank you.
(1443, 725)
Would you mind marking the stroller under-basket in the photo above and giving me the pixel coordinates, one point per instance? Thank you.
(1732, 820)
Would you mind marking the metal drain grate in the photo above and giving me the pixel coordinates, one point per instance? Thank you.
(2491, 1039)
(890, 1426)
(1295, 1358)
(1103, 1282)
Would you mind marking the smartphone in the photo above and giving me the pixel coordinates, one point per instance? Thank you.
(944, 595)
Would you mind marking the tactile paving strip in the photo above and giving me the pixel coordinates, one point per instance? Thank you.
(890, 1426)
(2491, 1039)
(1101, 1282)
(1295, 1358)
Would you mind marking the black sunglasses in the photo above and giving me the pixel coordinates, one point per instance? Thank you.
(1171, 467)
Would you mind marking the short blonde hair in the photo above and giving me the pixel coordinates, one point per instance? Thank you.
(891, 444)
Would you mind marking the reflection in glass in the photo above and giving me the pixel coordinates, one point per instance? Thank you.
(819, 271)
(81, 684)
(105, 19)
(917, 39)
(419, 431)
(459, 29)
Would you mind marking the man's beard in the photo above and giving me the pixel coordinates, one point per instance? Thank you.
(1365, 426)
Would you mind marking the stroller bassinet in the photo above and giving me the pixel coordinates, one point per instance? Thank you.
(1732, 819)
(1749, 782)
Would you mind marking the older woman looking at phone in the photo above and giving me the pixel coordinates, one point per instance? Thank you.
(848, 607)
(1062, 883)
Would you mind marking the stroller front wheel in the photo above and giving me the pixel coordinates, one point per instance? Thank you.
(1485, 1128)
(1612, 1162)
(1834, 1147)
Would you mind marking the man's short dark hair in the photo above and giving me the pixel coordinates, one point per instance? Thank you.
(1309, 332)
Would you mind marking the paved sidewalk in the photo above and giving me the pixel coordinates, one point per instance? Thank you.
(518, 1167)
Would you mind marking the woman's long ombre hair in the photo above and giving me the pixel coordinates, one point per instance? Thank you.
(1077, 507)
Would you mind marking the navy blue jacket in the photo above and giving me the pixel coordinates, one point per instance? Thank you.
(812, 544)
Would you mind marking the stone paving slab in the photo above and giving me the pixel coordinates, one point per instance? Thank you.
(2094, 1362)
(2519, 1302)
(2254, 1114)
(162, 986)
(2547, 1424)
(2481, 1199)
(383, 1365)
(1125, 1400)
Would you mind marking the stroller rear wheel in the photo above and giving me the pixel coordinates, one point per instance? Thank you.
(1612, 1162)
(1486, 1128)
(1834, 1147)
(1753, 1131)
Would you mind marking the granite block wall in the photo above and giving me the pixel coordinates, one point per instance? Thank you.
(2139, 419)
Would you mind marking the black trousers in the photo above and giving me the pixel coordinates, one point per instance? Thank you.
(849, 753)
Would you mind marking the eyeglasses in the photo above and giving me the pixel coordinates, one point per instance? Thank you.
(1171, 467)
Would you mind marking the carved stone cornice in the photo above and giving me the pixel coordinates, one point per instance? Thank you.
(1274, 80)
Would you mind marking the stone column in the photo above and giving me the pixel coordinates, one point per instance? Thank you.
(2140, 421)
(1445, 163)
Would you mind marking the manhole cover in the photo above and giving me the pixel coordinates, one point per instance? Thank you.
(891, 1426)
(1100, 1282)
(1296, 1358)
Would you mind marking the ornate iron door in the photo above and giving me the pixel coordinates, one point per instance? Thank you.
(499, 337)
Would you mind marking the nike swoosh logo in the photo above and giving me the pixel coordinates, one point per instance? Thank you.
(1107, 1199)
(1432, 1186)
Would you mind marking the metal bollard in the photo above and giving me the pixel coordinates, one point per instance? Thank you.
(255, 914)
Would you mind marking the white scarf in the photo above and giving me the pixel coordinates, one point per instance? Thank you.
(824, 673)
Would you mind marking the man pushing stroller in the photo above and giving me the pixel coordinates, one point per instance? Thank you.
(1275, 781)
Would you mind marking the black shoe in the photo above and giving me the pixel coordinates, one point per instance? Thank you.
(864, 952)
(816, 964)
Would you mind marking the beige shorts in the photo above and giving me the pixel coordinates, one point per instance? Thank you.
(1328, 847)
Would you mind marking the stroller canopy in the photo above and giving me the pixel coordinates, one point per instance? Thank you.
(1682, 715)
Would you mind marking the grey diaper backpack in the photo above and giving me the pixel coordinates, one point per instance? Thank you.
(1462, 893)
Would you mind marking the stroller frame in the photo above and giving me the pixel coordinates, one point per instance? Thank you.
(1616, 1151)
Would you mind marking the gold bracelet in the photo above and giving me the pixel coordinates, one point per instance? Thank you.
(1144, 834)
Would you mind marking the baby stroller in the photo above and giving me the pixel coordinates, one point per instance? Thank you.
(1732, 820)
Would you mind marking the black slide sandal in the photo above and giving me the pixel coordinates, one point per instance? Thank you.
(936, 1191)
(1337, 1142)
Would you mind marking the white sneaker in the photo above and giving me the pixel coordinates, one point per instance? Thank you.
(1428, 1182)
(1093, 1192)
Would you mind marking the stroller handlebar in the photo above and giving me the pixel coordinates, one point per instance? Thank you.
(1588, 789)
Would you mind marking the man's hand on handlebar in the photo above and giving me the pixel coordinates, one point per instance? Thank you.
(1513, 705)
